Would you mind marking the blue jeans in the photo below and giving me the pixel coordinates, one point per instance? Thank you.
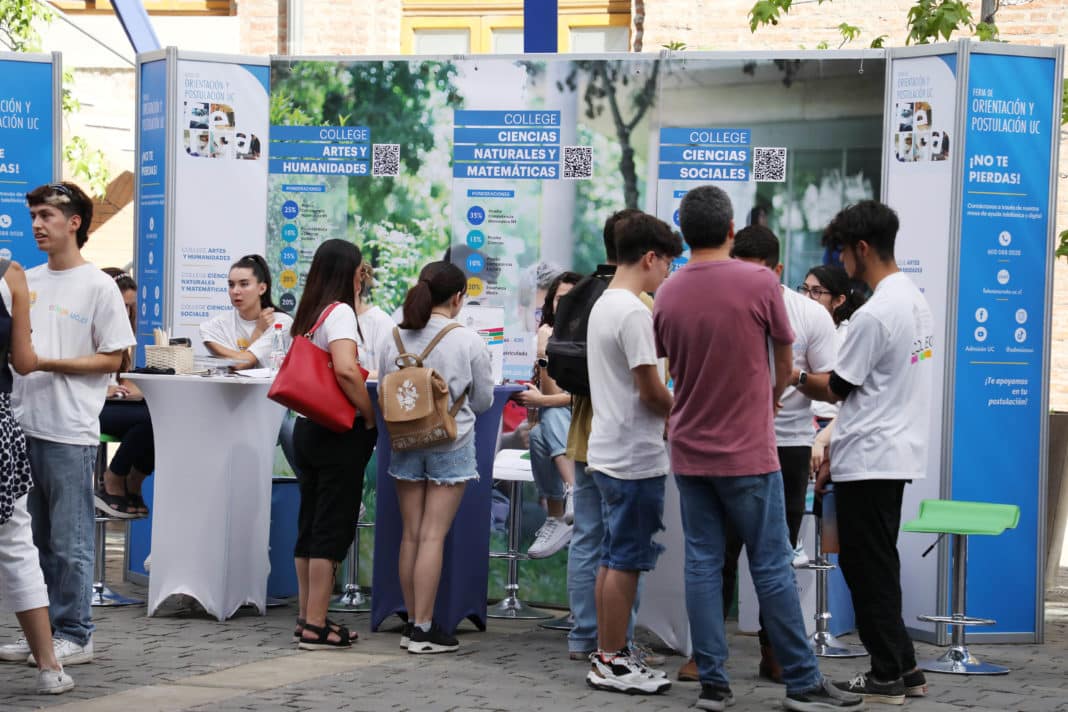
(548, 439)
(61, 505)
(583, 561)
(754, 506)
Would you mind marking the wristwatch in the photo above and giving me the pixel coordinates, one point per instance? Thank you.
(801, 378)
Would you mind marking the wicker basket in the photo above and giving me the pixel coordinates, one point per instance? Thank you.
(180, 358)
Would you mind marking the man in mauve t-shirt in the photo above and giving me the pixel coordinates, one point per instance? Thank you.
(713, 320)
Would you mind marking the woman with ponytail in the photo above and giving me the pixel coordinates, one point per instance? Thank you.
(430, 482)
(245, 335)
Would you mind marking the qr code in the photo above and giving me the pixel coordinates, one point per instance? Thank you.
(386, 160)
(769, 165)
(578, 162)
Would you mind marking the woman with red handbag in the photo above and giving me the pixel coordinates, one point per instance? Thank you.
(331, 463)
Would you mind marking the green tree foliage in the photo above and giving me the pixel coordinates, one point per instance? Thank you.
(18, 20)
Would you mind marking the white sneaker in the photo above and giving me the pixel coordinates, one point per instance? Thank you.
(801, 559)
(569, 506)
(69, 653)
(16, 652)
(53, 682)
(552, 536)
(622, 673)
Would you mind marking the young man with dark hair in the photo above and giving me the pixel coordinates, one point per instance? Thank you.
(814, 352)
(587, 533)
(80, 331)
(627, 457)
(883, 378)
(713, 321)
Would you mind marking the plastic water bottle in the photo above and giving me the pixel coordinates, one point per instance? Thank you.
(278, 349)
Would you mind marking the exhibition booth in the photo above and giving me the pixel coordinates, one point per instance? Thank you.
(509, 161)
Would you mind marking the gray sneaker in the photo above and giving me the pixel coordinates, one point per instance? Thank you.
(53, 682)
(825, 697)
(16, 652)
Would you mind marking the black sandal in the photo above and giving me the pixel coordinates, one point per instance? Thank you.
(345, 633)
(322, 641)
(115, 505)
(137, 504)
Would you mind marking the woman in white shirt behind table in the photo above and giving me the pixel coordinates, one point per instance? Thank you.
(245, 334)
(375, 324)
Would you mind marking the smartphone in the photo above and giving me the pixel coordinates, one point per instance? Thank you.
(181, 341)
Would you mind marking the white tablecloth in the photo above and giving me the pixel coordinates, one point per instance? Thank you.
(211, 515)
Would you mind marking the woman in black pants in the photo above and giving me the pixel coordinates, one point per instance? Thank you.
(331, 464)
(125, 416)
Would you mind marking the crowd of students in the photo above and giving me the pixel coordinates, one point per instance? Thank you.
(737, 433)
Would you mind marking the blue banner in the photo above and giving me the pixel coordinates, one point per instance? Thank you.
(509, 136)
(698, 172)
(319, 168)
(521, 171)
(151, 201)
(705, 155)
(351, 134)
(1001, 321)
(326, 151)
(471, 117)
(26, 152)
(705, 137)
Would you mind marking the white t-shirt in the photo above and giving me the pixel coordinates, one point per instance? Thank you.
(626, 438)
(231, 331)
(74, 312)
(881, 431)
(375, 325)
(814, 352)
(823, 409)
(339, 325)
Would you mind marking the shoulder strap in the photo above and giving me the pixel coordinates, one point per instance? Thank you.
(322, 318)
(397, 340)
(4, 264)
(459, 403)
(436, 340)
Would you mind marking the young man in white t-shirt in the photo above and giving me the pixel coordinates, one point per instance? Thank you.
(883, 378)
(814, 352)
(80, 331)
(627, 454)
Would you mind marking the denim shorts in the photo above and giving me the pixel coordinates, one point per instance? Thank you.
(452, 467)
(633, 512)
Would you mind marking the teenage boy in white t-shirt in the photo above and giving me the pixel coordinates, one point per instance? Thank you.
(814, 351)
(80, 331)
(883, 379)
(627, 454)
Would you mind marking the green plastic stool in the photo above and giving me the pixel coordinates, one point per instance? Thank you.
(103, 596)
(961, 520)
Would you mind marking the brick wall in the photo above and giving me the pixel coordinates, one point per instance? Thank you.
(723, 25)
(263, 26)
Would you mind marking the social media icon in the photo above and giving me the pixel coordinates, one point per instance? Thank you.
(980, 333)
(981, 315)
(1021, 316)
(1003, 276)
(1021, 335)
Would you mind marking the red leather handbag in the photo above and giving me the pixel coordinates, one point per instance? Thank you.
(306, 384)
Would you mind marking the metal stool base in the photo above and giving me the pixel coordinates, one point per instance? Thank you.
(351, 600)
(564, 623)
(959, 661)
(104, 597)
(825, 645)
(512, 607)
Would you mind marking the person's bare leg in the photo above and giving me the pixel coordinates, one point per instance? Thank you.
(566, 467)
(598, 597)
(114, 484)
(618, 589)
(411, 499)
(301, 565)
(38, 631)
(442, 501)
(320, 586)
(134, 480)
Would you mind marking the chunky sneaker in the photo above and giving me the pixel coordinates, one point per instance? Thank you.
(801, 559)
(887, 693)
(569, 506)
(622, 673)
(715, 698)
(406, 635)
(69, 653)
(53, 682)
(16, 652)
(552, 536)
(825, 696)
(433, 641)
(648, 659)
(915, 683)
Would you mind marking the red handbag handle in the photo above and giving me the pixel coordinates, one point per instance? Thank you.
(322, 318)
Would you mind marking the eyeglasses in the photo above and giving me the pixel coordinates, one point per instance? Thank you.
(60, 188)
(812, 292)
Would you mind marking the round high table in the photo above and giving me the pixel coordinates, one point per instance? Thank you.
(465, 560)
(211, 515)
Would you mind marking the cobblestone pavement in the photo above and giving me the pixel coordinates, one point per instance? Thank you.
(187, 661)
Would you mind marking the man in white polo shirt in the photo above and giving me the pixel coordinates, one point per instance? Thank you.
(883, 379)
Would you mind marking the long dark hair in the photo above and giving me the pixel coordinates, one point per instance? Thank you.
(262, 273)
(548, 313)
(330, 279)
(835, 280)
(438, 283)
(125, 283)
